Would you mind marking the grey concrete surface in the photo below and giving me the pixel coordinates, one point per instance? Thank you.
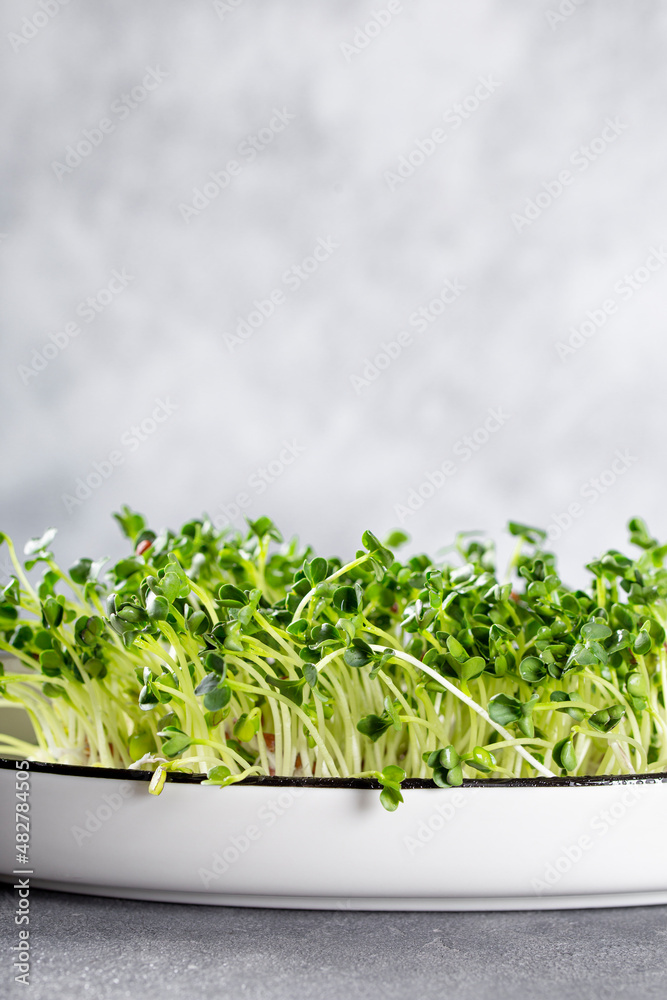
(121, 950)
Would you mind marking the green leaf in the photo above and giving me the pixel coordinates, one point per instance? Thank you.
(176, 745)
(504, 709)
(44, 640)
(175, 585)
(390, 708)
(80, 571)
(622, 617)
(532, 669)
(323, 633)
(131, 523)
(382, 559)
(358, 654)
(570, 604)
(345, 600)
(472, 668)
(264, 526)
(290, 689)
(482, 759)
(564, 755)
(622, 640)
(157, 607)
(393, 773)
(575, 713)
(395, 539)
(39, 545)
(370, 541)
(390, 798)
(216, 664)
(126, 568)
(233, 639)
(52, 690)
(217, 698)
(639, 533)
(11, 592)
(440, 777)
(217, 775)
(346, 628)
(246, 727)
(148, 698)
(208, 684)
(642, 644)
(374, 726)
(299, 627)
(8, 614)
(380, 661)
(88, 630)
(526, 726)
(231, 597)
(533, 535)
(448, 758)
(95, 668)
(244, 616)
(132, 614)
(21, 637)
(311, 674)
(96, 568)
(605, 720)
(456, 649)
(120, 626)
(581, 656)
(636, 685)
(52, 613)
(599, 720)
(315, 570)
(595, 630)
(455, 776)
(197, 622)
(51, 662)
(310, 654)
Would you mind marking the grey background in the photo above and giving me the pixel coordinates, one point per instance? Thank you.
(324, 176)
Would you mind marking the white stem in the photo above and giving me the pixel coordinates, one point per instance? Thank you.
(471, 704)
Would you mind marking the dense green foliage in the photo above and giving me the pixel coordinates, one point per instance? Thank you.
(230, 654)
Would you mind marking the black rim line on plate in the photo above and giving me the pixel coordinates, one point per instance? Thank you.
(82, 771)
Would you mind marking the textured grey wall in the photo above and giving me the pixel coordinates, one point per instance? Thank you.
(171, 170)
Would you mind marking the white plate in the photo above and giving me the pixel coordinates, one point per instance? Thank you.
(486, 846)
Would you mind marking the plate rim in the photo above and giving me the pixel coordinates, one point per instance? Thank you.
(279, 781)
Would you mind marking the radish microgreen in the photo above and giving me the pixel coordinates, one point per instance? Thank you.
(236, 653)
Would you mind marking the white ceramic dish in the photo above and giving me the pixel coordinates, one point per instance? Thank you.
(279, 842)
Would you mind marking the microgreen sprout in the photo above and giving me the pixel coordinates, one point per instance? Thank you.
(232, 654)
